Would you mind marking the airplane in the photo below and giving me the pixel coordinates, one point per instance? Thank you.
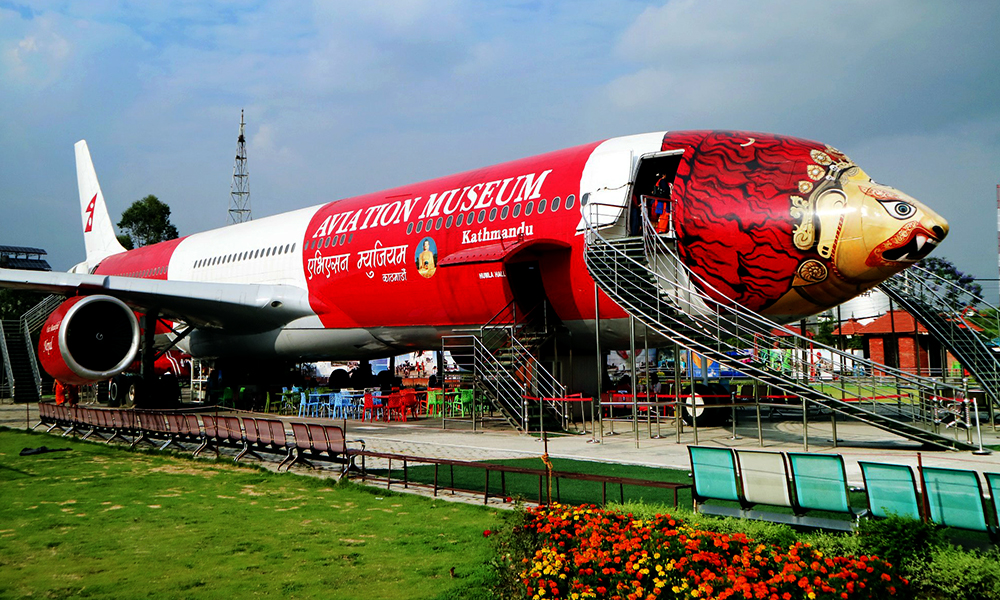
(783, 226)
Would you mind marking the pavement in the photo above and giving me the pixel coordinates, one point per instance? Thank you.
(429, 437)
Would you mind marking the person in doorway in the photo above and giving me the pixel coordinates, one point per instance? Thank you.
(635, 216)
(663, 190)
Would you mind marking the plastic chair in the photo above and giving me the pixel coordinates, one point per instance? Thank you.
(433, 404)
(465, 401)
(227, 398)
(343, 408)
(993, 483)
(371, 408)
(820, 482)
(955, 498)
(892, 490)
(713, 471)
(309, 406)
(394, 410)
(764, 476)
(410, 403)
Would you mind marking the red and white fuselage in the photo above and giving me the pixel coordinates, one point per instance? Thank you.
(782, 226)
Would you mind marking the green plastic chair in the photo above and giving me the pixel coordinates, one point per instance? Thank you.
(465, 400)
(955, 498)
(227, 398)
(434, 402)
(892, 490)
(993, 483)
(820, 482)
(713, 471)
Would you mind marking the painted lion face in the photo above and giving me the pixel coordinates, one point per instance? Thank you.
(872, 231)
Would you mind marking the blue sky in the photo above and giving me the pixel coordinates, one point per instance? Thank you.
(349, 97)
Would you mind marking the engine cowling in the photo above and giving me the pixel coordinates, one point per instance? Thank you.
(88, 339)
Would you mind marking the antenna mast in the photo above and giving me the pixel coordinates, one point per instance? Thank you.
(239, 192)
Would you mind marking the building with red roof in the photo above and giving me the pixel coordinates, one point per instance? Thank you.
(897, 339)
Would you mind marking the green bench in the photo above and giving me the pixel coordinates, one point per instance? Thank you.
(799, 481)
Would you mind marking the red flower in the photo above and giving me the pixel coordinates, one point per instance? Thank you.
(487, 533)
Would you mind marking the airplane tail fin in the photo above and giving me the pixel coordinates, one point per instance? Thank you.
(98, 231)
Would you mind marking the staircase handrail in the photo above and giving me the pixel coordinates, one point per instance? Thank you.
(926, 274)
(945, 318)
(7, 369)
(745, 321)
(541, 383)
(916, 280)
(501, 385)
(742, 313)
(35, 316)
(29, 344)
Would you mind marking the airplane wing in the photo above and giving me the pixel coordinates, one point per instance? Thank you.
(237, 308)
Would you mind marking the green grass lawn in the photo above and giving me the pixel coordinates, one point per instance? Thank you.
(103, 522)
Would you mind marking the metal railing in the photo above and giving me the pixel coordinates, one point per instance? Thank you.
(941, 306)
(32, 359)
(35, 316)
(490, 376)
(659, 290)
(7, 386)
(512, 359)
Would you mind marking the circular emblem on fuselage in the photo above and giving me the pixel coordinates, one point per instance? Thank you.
(426, 257)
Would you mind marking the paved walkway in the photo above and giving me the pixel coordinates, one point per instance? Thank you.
(425, 437)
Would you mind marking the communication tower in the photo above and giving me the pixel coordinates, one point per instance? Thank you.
(239, 192)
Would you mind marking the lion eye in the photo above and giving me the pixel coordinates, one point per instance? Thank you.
(899, 209)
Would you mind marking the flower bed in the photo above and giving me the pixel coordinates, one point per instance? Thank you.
(585, 552)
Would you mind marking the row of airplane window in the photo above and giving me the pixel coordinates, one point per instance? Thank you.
(147, 272)
(241, 256)
(472, 218)
(329, 241)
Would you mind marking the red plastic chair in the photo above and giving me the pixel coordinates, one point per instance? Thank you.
(370, 410)
(394, 408)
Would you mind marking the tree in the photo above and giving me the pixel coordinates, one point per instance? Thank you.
(14, 303)
(944, 269)
(147, 221)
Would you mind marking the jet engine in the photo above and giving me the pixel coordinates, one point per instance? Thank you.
(89, 339)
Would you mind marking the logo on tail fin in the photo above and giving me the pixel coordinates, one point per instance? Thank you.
(90, 213)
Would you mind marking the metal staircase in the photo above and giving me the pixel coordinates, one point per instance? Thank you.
(22, 379)
(7, 374)
(941, 306)
(506, 371)
(21, 363)
(645, 276)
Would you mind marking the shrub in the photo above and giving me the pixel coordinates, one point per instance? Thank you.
(900, 541)
(955, 574)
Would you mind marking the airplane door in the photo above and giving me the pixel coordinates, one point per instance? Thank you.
(604, 187)
(525, 281)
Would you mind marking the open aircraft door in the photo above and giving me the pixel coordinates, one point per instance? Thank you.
(604, 188)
